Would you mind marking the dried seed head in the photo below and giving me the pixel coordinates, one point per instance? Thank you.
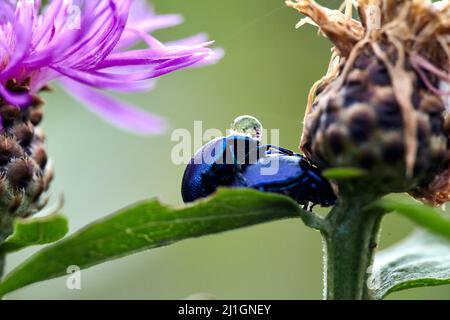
(380, 106)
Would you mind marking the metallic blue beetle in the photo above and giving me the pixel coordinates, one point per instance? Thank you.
(241, 161)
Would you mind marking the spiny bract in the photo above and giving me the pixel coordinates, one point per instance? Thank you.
(24, 170)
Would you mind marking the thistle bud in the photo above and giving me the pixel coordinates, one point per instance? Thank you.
(25, 173)
(379, 108)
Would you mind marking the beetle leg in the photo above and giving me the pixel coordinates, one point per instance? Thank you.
(308, 206)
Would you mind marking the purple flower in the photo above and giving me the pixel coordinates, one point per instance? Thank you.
(88, 47)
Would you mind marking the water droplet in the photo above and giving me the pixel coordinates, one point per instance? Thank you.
(247, 125)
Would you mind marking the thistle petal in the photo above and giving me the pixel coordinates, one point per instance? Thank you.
(87, 42)
(119, 113)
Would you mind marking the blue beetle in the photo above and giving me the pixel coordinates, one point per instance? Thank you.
(295, 177)
(241, 161)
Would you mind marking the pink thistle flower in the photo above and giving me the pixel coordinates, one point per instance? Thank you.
(87, 46)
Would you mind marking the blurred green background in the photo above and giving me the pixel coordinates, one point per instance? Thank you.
(267, 71)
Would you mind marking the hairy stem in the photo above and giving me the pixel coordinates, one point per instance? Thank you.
(312, 220)
(350, 240)
(2, 265)
(6, 223)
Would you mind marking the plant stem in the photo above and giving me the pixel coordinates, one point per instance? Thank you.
(2, 265)
(350, 240)
(5, 230)
(312, 220)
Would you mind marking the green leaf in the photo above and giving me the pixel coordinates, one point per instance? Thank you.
(149, 225)
(35, 231)
(421, 260)
(343, 173)
(423, 215)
